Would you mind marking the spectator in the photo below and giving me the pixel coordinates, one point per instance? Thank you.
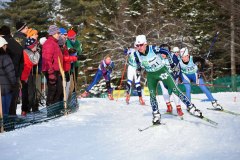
(7, 76)
(67, 60)
(50, 67)
(15, 51)
(31, 58)
(75, 48)
(21, 35)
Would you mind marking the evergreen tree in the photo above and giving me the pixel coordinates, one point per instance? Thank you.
(34, 12)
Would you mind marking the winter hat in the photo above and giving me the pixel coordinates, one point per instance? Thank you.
(71, 34)
(53, 30)
(20, 26)
(175, 49)
(5, 30)
(42, 40)
(31, 32)
(184, 52)
(2, 42)
(30, 43)
(141, 39)
(63, 31)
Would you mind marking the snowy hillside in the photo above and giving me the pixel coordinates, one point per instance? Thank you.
(105, 130)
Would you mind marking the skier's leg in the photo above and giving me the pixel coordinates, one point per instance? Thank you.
(96, 79)
(166, 97)
(187, 84)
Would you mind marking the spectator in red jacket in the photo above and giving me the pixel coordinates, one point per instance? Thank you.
(67, 60)
(50, 67)
(31, 58)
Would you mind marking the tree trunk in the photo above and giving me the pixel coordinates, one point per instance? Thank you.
(233, 62)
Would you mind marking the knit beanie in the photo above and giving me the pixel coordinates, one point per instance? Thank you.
(20, 26)
(30, 43)
(63, 31)
(71, 34)
(31, 32)
(42, 40)
(2, 42)
(53, 30)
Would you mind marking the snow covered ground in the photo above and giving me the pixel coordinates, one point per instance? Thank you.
(108, 130)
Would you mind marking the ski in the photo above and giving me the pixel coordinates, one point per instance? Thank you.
(206, 119)
(225, 111)
(150, 126)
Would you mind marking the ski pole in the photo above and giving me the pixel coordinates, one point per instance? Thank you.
(209, 85)
(123, 72)
(213, 41)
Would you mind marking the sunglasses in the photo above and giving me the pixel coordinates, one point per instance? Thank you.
(139, 45)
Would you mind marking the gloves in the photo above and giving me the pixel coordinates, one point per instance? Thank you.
(52, 77)
(138, 72)
(109, 68)
(72, 51)
(176, 69)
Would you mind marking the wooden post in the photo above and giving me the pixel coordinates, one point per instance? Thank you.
(64, 85)
(1, 112)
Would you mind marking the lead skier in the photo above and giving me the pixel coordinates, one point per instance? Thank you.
(148, 56)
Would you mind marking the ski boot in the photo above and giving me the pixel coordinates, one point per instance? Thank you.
(141, 101)
(169, 107)
(110, 96)
(156, 118)
(216, 106)
(84, 94)
(24, 114)
(179, 111)
(127, 98)
(194, 111)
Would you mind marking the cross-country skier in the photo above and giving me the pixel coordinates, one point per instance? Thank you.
(148, 57)
(104, 69)
(165, 91)
(133, 75)
(191, 73)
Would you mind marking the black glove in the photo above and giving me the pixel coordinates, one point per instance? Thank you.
(72, 50)
(109, 68)
(138, 72)
(81, 57)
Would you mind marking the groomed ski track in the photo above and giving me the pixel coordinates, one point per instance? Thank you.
(108, 130)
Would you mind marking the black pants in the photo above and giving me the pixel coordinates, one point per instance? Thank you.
(15, 96)
(55, 91)
(32, 96)
(25, 102)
